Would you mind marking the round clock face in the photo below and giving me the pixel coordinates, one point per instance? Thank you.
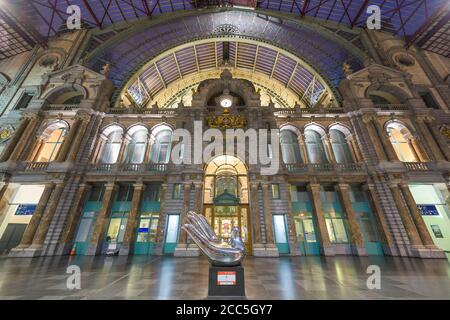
(226, 102)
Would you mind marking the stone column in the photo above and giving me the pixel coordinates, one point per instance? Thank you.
(421, 154)
(25, 137)
(314, 190)
(291, 224)
(147, 150)
(303, 149)
(198, 197)
(79, 138)
(387, 145)
(41, 232)
(439, 139)
(373, 135)
(5, 195)
(354, 152)
(32, 226)
(162, 215)
(23, 124)
(329, 148)
(356, 236)
(416, 216)
(67, 143)
(268, 214)
(68, 235)
(186, 200)
(410, 228)
(257, 238)
(123, 147)
(379, 215)
(130, 230)
(100, 225)
(437, 154)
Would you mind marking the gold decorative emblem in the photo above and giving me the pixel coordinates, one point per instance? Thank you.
(226, 121)
(5, 133)
(446, 132)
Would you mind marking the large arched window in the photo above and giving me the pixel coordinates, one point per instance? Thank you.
(111, 148)
(401, 141)
(340, 147)
(289, 147)
(160, 152)
(50, 142)
(314, 146)
(137, 145)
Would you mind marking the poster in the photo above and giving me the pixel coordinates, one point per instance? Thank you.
(226, 278)
(437, 231)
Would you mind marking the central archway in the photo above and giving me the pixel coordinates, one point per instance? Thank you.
(226, 197)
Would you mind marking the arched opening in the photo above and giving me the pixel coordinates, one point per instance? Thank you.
(66, 95)
(226, 197)
(162, 143)
(404, 144)
(137, 144)
(50, 142)
(290, 149)
(340, 147)
(112, 142)
(314, 146)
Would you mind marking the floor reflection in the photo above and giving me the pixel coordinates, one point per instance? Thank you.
(187, 278)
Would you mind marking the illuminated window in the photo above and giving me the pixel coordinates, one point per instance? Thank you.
(340, 147)
(111, 148)
(50, 143)
(160, 152)
(135, 152)
(275, 191)
(289, 147)
(314, 146)
(400, 140)
(176, 194)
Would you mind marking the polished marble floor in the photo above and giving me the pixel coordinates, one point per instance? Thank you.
(186, 278)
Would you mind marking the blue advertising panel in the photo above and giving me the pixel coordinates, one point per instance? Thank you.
(25, 209)
(428, 210)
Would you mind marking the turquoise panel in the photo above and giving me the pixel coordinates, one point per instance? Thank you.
(81, 247)
(150, 206)
(121, 206)
(283, 248)
(143, 248)
(92, 206)
(374, 248)
(312, 249)
(301, 206)
(170, 247)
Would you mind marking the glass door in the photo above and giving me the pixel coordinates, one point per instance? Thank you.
(172, 230)
(146, 233)
(306, 235)
(280, 232)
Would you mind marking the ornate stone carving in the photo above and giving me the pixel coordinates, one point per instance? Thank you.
(226, 121)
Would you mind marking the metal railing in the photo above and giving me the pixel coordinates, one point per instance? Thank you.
(416, 166)
(128, 167)
(324, 167)
(36, 166)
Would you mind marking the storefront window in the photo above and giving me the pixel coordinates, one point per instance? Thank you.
(335, 218)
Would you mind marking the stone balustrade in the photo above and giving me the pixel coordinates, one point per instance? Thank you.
(325, 167)
(393, 107)
(62, 107)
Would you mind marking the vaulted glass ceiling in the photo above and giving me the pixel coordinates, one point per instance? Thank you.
(277, 73)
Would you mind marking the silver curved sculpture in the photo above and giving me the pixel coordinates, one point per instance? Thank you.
(218, 252)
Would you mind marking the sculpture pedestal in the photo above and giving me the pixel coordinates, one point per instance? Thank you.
(226, 282)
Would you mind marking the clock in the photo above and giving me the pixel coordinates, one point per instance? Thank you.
(226, 102)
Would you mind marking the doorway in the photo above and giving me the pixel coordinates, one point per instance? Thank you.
(226, 198)
(172, 231)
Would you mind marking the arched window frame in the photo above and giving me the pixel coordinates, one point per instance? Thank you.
(316, 149)
(137, 143)
(401, 142)
(161, 147)
(50, 141)
(290, 150)
(342, 151)
(112, 139)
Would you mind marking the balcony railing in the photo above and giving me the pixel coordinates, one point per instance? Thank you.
(36, 166)
(324, 167)
(417, 166)
(62, 107)
(128, 167)
(393, 107)
(142, 111)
